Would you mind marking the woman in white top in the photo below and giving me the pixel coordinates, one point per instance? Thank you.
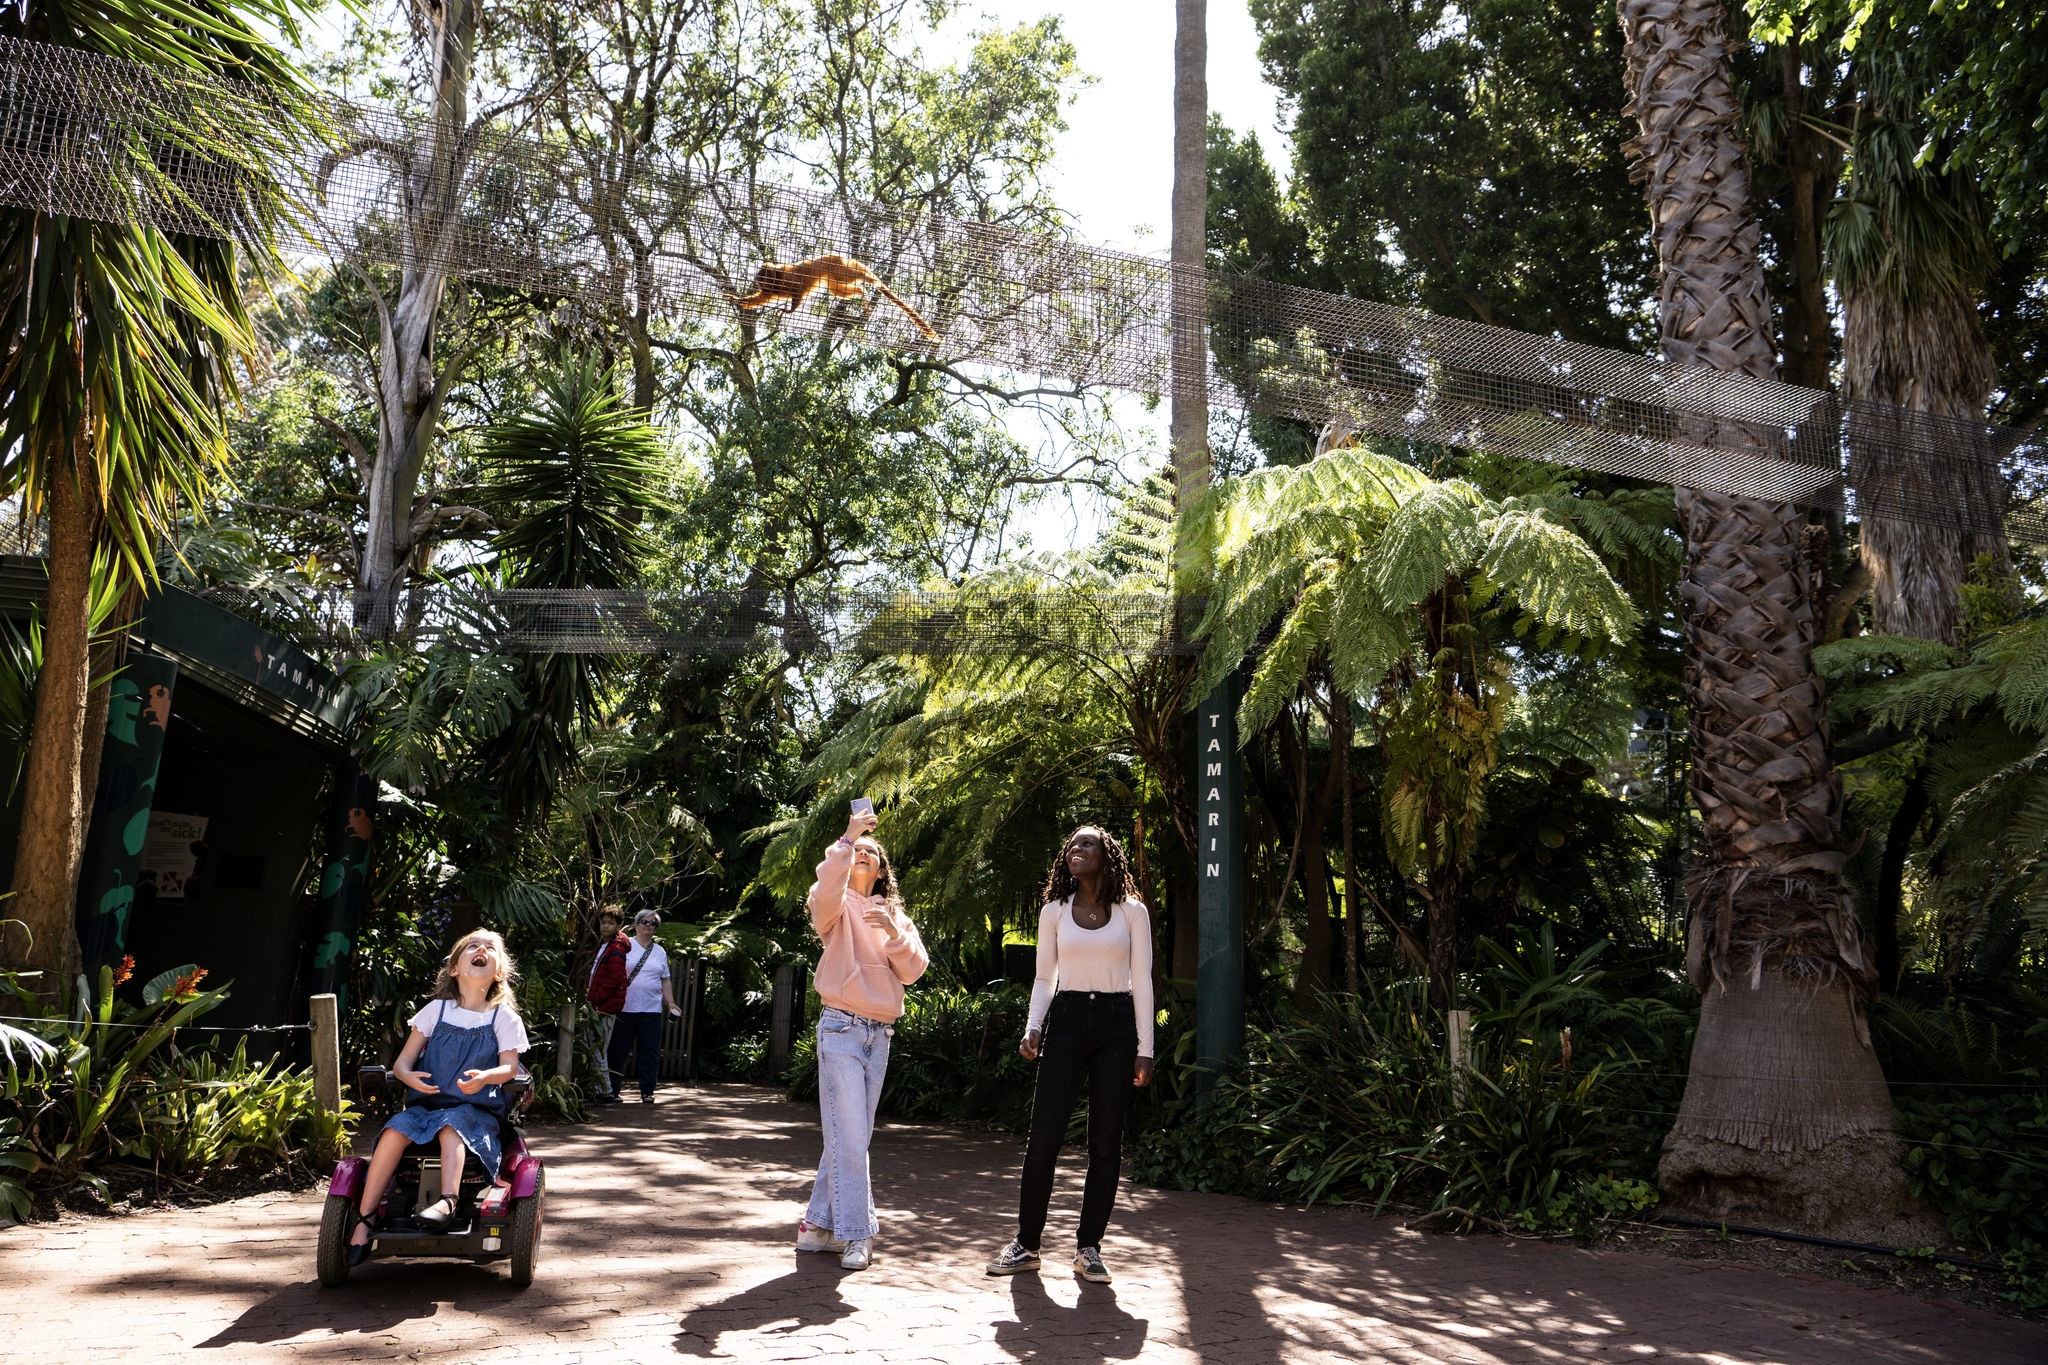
(1091, 1017)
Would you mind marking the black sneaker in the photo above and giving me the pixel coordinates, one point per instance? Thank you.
(1015, 1259)
(1088, 1265)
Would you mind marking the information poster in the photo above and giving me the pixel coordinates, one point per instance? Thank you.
(168, 857)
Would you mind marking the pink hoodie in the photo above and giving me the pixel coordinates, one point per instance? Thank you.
(863, 970)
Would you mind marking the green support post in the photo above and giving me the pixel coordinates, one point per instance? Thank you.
(138, 713)
(1219, 868)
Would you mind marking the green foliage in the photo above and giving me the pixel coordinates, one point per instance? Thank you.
(124, 332)
(1465, 158)
(1982, 1159)
(111, 1083)
(980, 761)
(1355, 1102)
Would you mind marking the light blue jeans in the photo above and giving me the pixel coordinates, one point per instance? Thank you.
(853, 1056)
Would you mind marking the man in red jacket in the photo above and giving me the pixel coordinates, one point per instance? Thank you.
(607, 994)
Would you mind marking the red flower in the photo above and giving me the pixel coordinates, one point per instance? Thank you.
(125, 970)
(188, 984)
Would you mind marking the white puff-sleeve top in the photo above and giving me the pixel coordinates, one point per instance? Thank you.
(1116, 957)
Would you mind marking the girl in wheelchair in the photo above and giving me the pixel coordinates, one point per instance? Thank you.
(471, 1037)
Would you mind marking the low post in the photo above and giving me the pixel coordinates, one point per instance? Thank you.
(565, 1039)
(1457, 1047)
(327, 1052)
(787, 1017)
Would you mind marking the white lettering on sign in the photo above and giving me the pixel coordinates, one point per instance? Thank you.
(1215, 869)
(1215, 744)
(1212, 845)
(1214, 818)
(1213, 795)
(1215, 717)
(1215, 770)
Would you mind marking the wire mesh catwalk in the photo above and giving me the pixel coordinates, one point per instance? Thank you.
(569, 621)
(94, 137)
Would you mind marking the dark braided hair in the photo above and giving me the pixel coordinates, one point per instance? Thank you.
(1117, 882)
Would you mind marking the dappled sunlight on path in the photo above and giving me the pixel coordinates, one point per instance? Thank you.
(668, 1239)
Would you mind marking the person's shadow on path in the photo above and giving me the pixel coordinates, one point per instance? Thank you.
(1093, 1329)
(807, 1296)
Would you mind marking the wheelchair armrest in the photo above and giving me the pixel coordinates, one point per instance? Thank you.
(518, 1092)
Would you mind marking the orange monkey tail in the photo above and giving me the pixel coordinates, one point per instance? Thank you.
(908, 311)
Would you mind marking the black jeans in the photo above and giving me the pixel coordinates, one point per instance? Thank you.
(1092, 1035)
(638, 1033)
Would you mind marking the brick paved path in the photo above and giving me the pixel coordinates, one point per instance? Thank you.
(668, 1237)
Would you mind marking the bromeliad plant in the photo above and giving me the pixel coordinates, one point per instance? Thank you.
(1403, 585)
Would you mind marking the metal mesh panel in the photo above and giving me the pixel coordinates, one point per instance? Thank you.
(629, 622)
(99, 138)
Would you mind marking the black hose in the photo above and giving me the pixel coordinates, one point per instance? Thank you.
(1907, 1253)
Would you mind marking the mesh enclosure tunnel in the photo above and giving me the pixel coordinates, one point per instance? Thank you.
(90, 136)
(572, 621)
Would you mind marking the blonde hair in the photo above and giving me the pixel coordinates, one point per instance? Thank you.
(500, 995)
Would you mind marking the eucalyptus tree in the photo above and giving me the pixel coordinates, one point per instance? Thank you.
(117, 352)
(1786, 1119)
(412, 376)
(1399, 584)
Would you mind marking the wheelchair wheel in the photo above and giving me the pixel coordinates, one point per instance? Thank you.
(336, 1224)
(526, 1233)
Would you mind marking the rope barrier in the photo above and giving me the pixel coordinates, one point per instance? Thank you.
(176, 1028)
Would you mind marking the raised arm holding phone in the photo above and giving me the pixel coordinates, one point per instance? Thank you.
(872, 951)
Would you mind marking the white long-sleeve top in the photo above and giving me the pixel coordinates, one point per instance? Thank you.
(1116, 957)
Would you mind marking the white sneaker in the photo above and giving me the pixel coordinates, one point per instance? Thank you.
(810, 1237)
(857, 1256)
(1088, 1265)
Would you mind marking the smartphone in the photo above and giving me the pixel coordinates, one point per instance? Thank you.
(863, 806)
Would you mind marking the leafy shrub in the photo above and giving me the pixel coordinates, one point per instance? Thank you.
(1983, 1161)
(1355, 1102)
(2026, 1274)
(110, 1083)
(203, 1111)
(746, 1056)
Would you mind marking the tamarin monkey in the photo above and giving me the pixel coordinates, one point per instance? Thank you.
(840, 276)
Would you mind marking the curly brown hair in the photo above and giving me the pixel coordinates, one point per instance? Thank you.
(1117, 882)
(885, 884)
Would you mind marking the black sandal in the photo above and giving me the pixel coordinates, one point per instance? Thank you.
(433, 1222)
(360, 1252)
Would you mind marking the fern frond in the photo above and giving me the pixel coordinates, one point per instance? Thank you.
(1556, 576)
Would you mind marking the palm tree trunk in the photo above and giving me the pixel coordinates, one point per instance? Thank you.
(1922, 354)
(1786, 1120)
(55, 787)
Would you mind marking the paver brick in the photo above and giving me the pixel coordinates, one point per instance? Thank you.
(668, 1232)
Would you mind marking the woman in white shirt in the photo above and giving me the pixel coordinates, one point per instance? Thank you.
(1091, 1017)
(649, 994)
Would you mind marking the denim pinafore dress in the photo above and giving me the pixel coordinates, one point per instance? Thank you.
(450, 1051)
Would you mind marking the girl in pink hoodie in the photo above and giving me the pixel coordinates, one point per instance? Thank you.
(872, 951)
